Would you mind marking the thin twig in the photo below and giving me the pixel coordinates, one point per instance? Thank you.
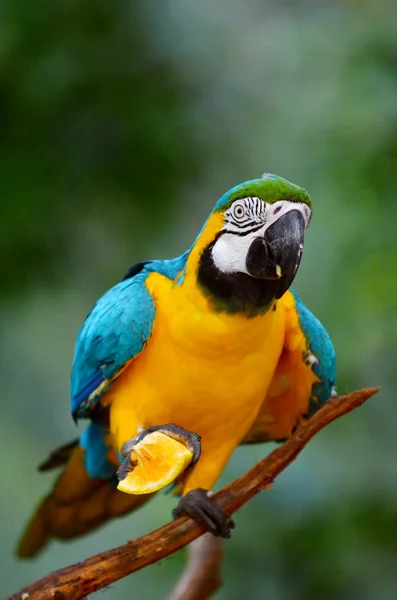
(201, 577)
(77, 581)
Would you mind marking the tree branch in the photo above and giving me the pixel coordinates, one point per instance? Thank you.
(77, 581)
(201, 577)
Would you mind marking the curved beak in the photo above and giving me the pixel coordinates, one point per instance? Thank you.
(277, 255)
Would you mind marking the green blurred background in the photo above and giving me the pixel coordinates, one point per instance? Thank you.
(121, 123)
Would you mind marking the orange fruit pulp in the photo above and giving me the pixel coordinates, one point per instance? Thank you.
(157, 461)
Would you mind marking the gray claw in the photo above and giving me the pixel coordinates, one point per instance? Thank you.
(205, 511)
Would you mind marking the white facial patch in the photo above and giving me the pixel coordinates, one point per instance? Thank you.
(230, 252)
(246, 220)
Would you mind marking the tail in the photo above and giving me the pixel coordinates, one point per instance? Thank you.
(77, 504)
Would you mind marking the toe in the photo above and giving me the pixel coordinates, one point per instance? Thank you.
(204, 510)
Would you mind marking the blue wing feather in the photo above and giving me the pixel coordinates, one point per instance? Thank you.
(115, 331)
(96, 461)
(321, 346)
(91, 385)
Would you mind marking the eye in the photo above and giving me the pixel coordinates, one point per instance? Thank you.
(238, 212)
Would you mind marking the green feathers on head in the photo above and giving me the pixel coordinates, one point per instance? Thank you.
(270, 188)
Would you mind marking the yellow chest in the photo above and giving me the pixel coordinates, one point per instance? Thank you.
(203, 370)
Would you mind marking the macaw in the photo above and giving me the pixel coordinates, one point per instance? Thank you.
(212, 347)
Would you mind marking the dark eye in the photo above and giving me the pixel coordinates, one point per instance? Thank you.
(238, 211)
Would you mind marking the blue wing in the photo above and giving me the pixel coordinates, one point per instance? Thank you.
(116, 330)
(321, 347)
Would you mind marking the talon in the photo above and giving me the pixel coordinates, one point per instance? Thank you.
(205, 511)
(127, 448)
(125, 468)
(125, 451)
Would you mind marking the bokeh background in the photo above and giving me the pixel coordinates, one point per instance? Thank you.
(121, 123)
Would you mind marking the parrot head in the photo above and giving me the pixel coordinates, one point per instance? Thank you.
(252, 244)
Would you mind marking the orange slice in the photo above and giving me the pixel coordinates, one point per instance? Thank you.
(157, 460)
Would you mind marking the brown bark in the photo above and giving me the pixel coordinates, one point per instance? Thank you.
(201, 577)
(77, 581)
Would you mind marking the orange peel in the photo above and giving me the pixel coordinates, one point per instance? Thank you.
(157, 460)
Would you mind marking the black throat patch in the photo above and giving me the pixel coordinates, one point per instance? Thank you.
(236, 292)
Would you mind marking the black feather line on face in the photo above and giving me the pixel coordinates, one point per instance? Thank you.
(234, 292)
(243, 232)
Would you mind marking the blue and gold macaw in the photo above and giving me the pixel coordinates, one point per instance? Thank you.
(212, 343)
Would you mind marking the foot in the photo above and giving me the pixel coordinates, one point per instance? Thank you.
(192, 441)
(199, 505)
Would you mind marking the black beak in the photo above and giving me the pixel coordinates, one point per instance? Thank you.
(276, 256)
